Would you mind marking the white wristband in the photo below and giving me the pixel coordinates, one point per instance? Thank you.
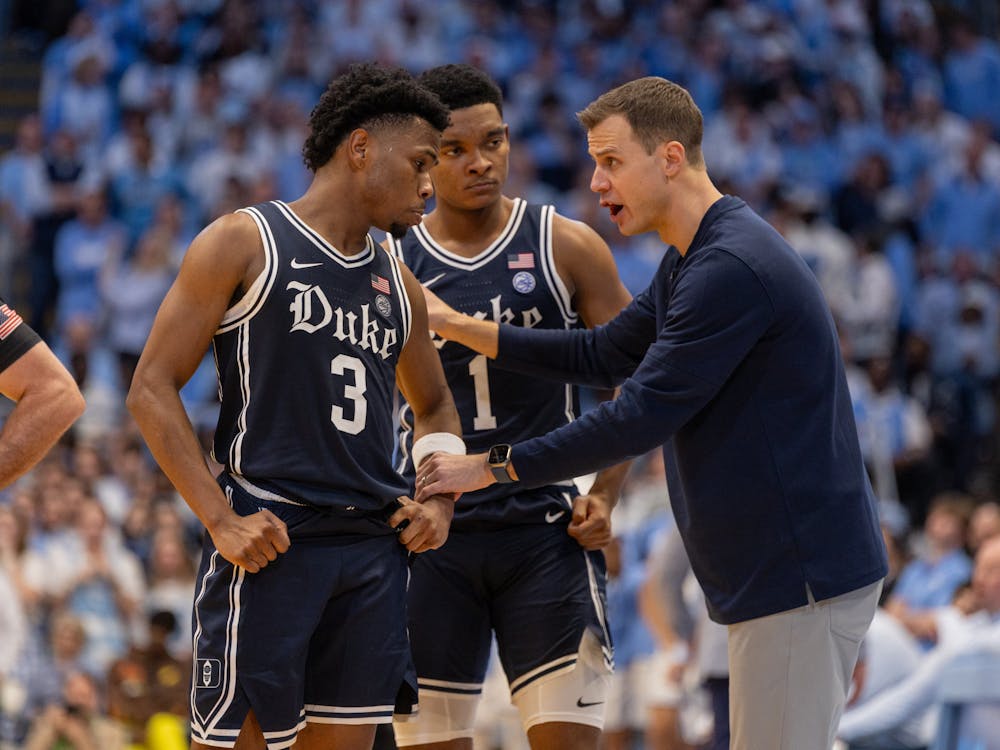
(445, 442)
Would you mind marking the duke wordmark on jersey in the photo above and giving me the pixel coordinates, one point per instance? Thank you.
(503, 315)
(312, 312)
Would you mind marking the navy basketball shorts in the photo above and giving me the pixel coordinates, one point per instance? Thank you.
(544, 597)
(319, 635)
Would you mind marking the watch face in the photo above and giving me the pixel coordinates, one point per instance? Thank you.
(499, 454)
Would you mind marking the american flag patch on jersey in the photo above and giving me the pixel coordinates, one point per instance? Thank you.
(521, 260)
(9, 320)
(380, 283)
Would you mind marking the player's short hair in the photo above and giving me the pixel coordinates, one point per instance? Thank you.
(459, 85)
(371, 96)
(656, 109)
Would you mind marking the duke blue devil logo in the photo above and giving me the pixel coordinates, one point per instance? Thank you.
(209, 673)
(524, 282)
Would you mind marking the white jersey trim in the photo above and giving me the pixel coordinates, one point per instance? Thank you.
(206, 725)
(258, 292)
(555, 283)
(478, 261)
(406, 309)
(347, 261)
(405, 434)
(243, 370)
(262, 493)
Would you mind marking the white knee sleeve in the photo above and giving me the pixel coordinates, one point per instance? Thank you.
(442, 715)
(575, 694)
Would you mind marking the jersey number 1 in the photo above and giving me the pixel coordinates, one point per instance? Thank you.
(484, 419)
(354, 392)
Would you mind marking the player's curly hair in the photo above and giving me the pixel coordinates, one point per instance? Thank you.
(459, 85)
(367, 95)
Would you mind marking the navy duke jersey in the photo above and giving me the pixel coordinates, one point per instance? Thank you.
(307, 370)
(513, 281)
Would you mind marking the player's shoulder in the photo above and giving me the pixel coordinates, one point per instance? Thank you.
(236, 226)
(231, 243)
(575, 236)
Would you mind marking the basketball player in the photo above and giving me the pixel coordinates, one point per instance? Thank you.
(47, 400)
(300, 616)
(509, 565)
(731, 363)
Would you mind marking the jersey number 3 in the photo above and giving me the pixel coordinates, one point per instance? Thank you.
(354, 392)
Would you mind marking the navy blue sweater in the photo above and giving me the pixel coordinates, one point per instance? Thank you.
(730, 361)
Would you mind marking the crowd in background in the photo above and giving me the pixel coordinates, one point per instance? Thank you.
(866, 131)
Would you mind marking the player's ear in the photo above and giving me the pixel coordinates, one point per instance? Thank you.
(358, 148)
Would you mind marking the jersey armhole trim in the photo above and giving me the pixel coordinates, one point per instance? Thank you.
(555, 283)
(404, 299)
(256, 295)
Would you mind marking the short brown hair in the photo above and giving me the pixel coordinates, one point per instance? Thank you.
(657, 110)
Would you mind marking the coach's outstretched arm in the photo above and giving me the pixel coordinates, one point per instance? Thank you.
(601, 357)
(47, 400)
(218, 268)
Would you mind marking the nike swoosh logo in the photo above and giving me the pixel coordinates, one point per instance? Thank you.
(551, 517)
(581, 704)
(295, 264)
(430, 282)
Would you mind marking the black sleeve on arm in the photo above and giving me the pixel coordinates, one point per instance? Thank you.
(719, 310)
(601, 357)
(16, 342)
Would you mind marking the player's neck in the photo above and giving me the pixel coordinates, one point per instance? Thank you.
(329, 211)
(465, 232)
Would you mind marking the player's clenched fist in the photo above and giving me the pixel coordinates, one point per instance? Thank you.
(251, 541)
(428, 522)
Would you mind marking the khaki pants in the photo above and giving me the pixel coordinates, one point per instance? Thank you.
(790, 672)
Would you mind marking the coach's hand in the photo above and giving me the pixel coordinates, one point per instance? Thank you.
(429, 522)
(591, 524)
(445, 472)
(250, 541)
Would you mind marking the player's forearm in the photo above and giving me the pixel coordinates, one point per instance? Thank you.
(164, 424)
(609, 483)
(479, 335)
(40, 418)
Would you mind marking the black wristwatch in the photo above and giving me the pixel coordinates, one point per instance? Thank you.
(499, 461)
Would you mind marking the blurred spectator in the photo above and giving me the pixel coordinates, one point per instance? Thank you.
(972, 73)
(78, 722)
(132, 290)
(171, 586)
(984, 524)
(871, 318)
(21, 182)
(889, 654)
(826, 249)
(37, 677)
(140, 184)
(908, 698)
(99, 581)
(931, 579)
(83, 105)
(895, 437)
(53, 203)
(82, 247)
(148, 681)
